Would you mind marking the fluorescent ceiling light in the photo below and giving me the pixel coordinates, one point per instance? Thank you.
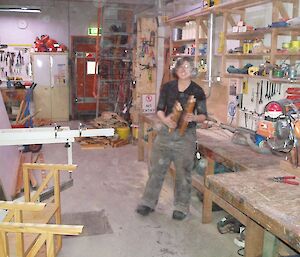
(23, 9)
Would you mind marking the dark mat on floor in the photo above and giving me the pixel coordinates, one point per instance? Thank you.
(94, 222)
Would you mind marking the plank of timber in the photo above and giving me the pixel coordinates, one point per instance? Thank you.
(41, 217)
(50, 245)
(12, 227)
(287, 166)
(37, 245)
(9, 205)
(92, 146)
(44, 166)
(275, 206)
(20, 111)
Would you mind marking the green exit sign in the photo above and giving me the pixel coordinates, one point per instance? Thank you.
(93, 31)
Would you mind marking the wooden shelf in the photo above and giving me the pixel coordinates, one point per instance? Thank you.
(191, 15)
(246, 56)
(186, 41)
(203, 13)
(247, 35)
(183, 41)
(287, 30)
(242, 76)
(182, 55)
(284, 80)
(187, 55)
(288, 54)
(246, 76)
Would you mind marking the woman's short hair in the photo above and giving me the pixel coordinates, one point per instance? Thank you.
(180, 62)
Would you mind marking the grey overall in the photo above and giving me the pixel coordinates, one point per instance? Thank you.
(170, 147)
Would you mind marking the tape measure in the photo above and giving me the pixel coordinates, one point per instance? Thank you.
(253, 70)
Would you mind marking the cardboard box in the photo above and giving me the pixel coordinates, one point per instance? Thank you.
(235, 29)
(241, 24)
(243, 29)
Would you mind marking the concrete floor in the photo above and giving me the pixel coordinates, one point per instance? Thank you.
(113, 180)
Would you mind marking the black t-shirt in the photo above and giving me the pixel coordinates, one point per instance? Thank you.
(169, 94)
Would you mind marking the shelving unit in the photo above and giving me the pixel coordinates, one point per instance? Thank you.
(274, 55)
(115, 59)
(198, 32)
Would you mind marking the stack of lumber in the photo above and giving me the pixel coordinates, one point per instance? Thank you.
(106, 120)
(100, 142)
(39, 122)
(109, 120)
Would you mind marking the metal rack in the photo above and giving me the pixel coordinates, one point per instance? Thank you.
(115, 58)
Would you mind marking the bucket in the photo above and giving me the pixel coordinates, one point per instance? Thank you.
(123, 132)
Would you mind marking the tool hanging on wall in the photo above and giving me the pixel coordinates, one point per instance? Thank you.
(252, 95)
(266, 95)
(261, 92)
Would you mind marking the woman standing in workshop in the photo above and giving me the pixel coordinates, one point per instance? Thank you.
(172, 146)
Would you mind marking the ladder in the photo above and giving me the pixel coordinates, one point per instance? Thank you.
(113, 86)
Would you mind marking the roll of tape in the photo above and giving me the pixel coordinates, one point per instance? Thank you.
(252, 71)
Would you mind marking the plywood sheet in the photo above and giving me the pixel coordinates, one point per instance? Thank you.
(9, 159)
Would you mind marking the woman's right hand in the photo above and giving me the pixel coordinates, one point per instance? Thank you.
(169, 122)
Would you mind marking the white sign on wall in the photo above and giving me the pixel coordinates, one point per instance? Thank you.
(148, 103)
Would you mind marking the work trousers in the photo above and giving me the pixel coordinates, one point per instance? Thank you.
(167, 148)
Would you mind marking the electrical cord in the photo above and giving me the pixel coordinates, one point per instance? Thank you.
(240, 251)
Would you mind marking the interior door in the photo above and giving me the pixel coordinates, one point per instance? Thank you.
(83, 49)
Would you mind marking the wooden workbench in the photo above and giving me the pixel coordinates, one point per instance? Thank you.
(260, 204)
(216, 146)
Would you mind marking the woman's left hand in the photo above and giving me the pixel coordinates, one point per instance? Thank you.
(189, 117)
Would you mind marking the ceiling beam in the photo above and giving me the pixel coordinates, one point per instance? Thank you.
(53, 2)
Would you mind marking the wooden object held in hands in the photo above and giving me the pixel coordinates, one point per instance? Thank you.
(176, 113)
(189, 109)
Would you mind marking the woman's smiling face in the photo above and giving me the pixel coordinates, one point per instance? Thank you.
(184, 71)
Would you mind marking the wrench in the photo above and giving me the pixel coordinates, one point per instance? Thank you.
(266, 95)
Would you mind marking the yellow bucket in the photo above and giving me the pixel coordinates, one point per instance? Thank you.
(123, 132)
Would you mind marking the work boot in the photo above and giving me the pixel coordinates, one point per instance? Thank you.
(144, 210)
(178, 215)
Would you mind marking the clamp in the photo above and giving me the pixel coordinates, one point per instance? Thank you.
(56, 129)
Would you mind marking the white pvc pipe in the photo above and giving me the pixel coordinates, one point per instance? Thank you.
(210, 51)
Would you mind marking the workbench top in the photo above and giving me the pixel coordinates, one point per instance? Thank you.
(216, 144)
(275, 206)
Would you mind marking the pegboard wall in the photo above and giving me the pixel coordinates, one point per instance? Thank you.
(145, 69)
(15, 63)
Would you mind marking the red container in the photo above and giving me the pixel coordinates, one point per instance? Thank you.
(17, 126)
